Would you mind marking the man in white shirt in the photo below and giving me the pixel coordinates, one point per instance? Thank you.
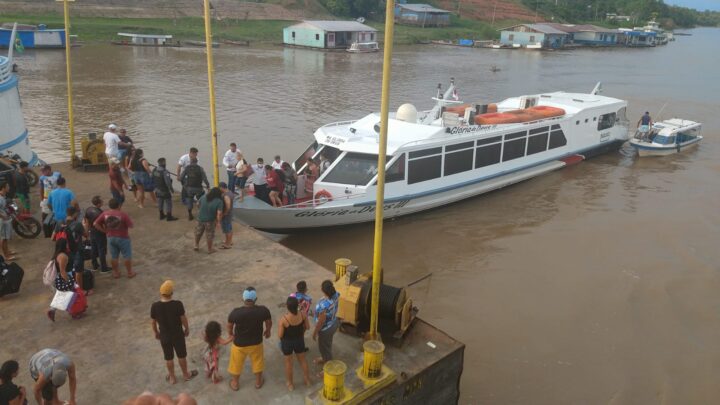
(277, 163)
(185, 160)
(112, 141)
(260, 181)
(230, 160)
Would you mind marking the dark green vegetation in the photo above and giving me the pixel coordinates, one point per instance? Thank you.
(575, 11)
(354, 8)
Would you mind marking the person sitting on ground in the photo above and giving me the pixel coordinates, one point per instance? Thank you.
(116, 224)
(242, 172)
(141, 176)
(226, 221)
(277, 162)
(169, 316)
(304, 299)
(210, 212)
(65, 278)
(326, 321)
(60, 199)
(98, 240)
(22, 187)
(163, 190)
(245, 324)
(11, 394)
(213, 338)
(291, 332)
(50, 368)
(192, 179)
(275, 185)
(117, 182)
(290, 182)
(6, 230)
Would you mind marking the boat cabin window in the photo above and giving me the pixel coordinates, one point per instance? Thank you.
(309, 152)
(514, 146)
(396, 172)
(459, 158)
(488, 151)
(557, 139)
(424, 165)
(354, 168)
(664, 140)
(606, 121)
(537, 143)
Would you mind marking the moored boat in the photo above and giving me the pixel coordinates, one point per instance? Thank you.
(437, 157)
(363, 47)
(152, 40)
(200, 44)
(33, 36)
(667, 137)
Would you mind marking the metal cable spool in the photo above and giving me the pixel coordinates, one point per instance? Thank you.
(391, 300)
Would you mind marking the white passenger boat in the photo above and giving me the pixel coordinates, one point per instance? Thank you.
(451, 152)
(667, 137)
(363, 47)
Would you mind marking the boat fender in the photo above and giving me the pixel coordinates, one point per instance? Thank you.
(323, 195)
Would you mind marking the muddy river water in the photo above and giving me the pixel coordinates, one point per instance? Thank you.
(596, 284)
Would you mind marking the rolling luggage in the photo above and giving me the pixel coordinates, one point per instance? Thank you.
(11, 276)
(79, 305)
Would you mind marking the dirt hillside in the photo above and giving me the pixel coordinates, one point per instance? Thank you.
(483, 9)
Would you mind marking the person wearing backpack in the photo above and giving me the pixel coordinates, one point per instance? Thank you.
(115, 224)
(73, 231)
(64, 277)
(163, 190)
(98, 240)
(192, 179)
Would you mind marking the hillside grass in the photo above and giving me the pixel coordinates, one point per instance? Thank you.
(102, 29)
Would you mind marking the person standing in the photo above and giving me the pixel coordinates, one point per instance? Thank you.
(5, 224)
(115, 224)
(246, 325)
(112, 142)
(117, 183)
(98, 240)
(192, 179)
(326, 321)
(645, 124)
(186, 159)
(64, 280)
(125, 148)
(170, 326)
(226, 220)
(242, 172)
(277, 163)
(48, 183)
(163, 190)
(11, 394)
(291, 332)
(275, 185)
(50, 368)
(230, 161)
(60, 199)
(22, 187)
(74, 232)
(260, 181)
(210, 212)
(290, 183)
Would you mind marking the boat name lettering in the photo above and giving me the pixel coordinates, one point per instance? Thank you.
(605, 136)
(334, 140)
(472, 128)
(361, 210)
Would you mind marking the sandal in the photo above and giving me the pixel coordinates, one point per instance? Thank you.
(131, 275)
(234, 387)
(290, 386)
(167, 379)
(224, 246)
(51, 315)
(193, 374)
(262, 382)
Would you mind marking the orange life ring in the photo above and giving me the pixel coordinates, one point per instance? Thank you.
(323, 194)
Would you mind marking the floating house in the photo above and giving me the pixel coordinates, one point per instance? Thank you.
(587, 34)
(637, 38)
(329, 35)
(423, 15)
(533, 36)
(32, 36)
(143, 39)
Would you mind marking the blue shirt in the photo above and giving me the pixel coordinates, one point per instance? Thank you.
(304, 302)
(60, 200)
(645, 120)
(330, 307)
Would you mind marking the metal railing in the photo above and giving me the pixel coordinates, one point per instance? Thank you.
(314, 202)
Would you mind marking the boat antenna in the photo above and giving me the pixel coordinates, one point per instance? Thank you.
(11, 44)
(661, 110)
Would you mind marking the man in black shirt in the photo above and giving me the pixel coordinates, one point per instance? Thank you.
(246, 325)
(169, 314)
(98, 240)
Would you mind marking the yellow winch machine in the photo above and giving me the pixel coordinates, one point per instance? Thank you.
(93, 153)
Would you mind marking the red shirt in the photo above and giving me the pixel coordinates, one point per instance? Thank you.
(117, 223)
(274, 182)
(116, 178)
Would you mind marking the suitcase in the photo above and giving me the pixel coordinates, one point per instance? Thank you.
(79, 306)
(11, 276)
(88, 280)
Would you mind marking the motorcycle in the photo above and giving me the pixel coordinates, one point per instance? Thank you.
(14, 162)
(24, 224)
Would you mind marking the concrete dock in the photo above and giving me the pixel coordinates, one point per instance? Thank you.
(116, 354)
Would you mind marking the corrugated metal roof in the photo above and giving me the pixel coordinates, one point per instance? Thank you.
(581, 28)
(422, 8)
(541, 28)
(338, 26)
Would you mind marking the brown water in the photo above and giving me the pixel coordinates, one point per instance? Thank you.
(595, 284)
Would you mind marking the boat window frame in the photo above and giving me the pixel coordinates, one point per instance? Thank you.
(427, 154)
(453, 151)
(343, 155)
(607, 121)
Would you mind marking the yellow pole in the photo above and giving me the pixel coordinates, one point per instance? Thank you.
(384, 111)
(211, 88)
(71, 116)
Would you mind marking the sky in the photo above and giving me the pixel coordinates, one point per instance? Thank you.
(701, 5)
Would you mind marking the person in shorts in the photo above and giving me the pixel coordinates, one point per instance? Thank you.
(226, 220)
(22, 187)
(5, 224)
(170, 326)
(246, 325)
(117, 182)
(209, 214)
(50, 368)
(116, 224)
(291, 332)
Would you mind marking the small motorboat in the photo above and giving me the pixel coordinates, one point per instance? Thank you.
(363, 47)
(667, 137)
(200, 44)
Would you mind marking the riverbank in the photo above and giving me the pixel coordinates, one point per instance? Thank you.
(103, 29)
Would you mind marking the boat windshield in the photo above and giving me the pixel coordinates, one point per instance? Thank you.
(309, 152)
(353, 168)
(664, 140)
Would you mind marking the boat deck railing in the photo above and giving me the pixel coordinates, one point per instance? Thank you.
(5, 69)
(314, 202)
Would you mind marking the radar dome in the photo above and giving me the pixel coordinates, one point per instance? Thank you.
(407, 113)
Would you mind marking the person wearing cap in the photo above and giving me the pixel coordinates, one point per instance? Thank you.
(230, 160)
(246, 325)
(112, 142)
(117, 182)
(169, 315)
(226, 220)
(50, 368)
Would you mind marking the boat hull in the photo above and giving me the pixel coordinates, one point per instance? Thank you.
(13, 133)
(644, 149)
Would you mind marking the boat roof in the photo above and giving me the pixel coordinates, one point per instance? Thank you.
(668, 127)
(361, 136)
(125, 34)
(422, 8)
(335, 26)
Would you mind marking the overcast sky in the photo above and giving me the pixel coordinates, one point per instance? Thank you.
(701, 5)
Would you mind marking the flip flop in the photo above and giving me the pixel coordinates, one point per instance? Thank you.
(290, 387)
(167, 379)
(131, 275)
(223, 246)
(262, 382)
(234, 388)
(212, 251)
(193, 374)
(11, 258)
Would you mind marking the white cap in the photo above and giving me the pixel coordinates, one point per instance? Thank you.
(112, 126)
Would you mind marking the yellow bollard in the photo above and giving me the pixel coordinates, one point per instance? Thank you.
(372, 358)
(334, 380)
(341, 267)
